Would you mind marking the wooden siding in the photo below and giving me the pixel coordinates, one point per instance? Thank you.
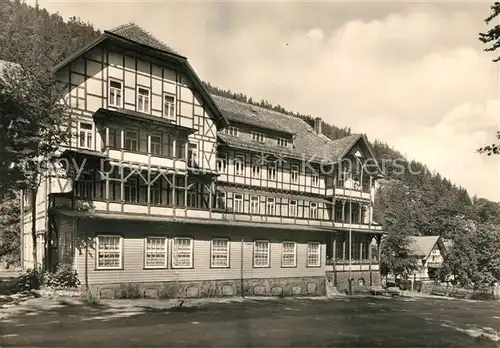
(88, 78)
(133, 253)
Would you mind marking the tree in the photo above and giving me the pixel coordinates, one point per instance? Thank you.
(395, 207)
(492, 38)
(34, 123)
(460, 262)
(10, 239)
(474, 258)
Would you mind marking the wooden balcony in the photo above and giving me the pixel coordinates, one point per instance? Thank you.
(136, 158)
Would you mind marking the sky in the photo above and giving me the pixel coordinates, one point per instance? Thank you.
(410, 74)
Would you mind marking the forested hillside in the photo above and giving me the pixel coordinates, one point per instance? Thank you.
(434, 202)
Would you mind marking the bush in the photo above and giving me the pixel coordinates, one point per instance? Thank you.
(63, 277)
(32, 279)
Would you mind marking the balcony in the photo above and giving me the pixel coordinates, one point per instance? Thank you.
(123, 156)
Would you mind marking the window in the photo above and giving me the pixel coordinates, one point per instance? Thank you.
(155, 253)
(156, 145)
(257, 136)
(239, 165)
(282, 142)
(256, 170)
(221, 165)
(221, 200)
(238, 203)
(109, 252)
(193, 155)
(131, 140)
(292, 208)
(313, 210)
(231, 131)
(130, 189)
(85, 133)
(180, 148)
(182, 253)
(315, 180)
(271, 171)
(83, 187)
(156, 192)
(115, 93)
(169, 106)
(143, 99)
(254, 204)
(289, 254)
(261, 253)
(294, 175)
(270, 206)
(313, 255)
(220, 253)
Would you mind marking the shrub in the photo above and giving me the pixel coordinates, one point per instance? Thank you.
(32, 279)
(64, 277)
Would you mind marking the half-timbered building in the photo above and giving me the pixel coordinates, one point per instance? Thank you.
(174, 191)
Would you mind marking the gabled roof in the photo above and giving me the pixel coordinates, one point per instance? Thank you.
(133, 35)
(423, 245)
(133, 32)
(307, 143)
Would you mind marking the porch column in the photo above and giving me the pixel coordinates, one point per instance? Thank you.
(106, 137)
(149, 143)
(122, 138)
(343, 211)
(359, 214)
(343, 248)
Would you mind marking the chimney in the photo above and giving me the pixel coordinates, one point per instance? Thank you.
(317, 125)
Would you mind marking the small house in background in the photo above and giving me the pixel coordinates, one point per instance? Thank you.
(430, 251)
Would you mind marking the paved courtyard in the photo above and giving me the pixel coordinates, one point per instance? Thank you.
(346, 322)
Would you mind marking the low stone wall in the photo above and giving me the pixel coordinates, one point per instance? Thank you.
(313, 286)
(341, 280)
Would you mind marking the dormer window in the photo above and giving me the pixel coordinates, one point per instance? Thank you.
(282, 142)
(257, 136)
(231, 131)
(143, 99)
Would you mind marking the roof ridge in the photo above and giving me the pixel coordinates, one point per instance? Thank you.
(153, 40)
(121, 26)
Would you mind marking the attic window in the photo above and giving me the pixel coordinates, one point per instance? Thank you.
(231, 131)
(257, 136)
(282, 142)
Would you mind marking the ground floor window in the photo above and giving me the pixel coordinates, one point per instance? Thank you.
(289, 254)
(155, 252)
(219, 253)
(261, 253)
(313, 255)
(182, 252)
(109, 252)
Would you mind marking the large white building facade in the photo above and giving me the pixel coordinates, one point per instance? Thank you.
(178, 191)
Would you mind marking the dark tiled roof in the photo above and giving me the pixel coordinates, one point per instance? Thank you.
(247, 114)
(133, 32)
(239, 143)
(307, 143)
